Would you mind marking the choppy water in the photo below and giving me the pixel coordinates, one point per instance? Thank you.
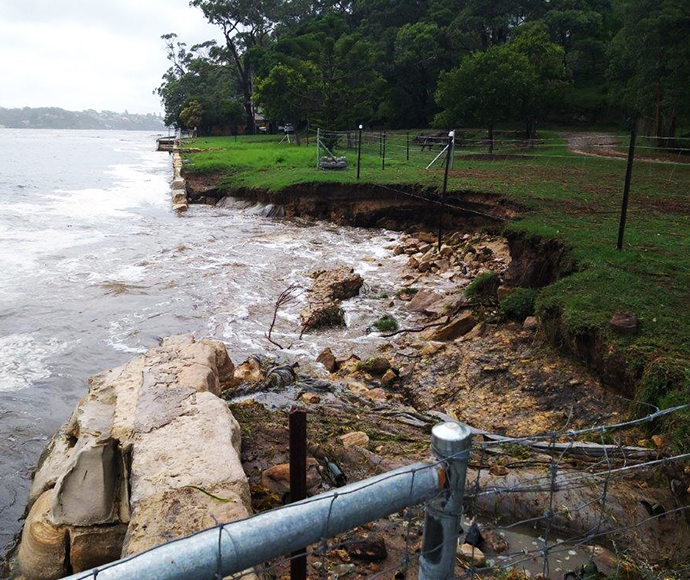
(95, 267)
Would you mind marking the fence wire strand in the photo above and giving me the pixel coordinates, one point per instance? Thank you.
(562, 513)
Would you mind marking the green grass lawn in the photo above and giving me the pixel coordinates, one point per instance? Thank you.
(571, 197)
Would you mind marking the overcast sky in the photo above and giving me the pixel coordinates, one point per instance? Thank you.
(90, 54)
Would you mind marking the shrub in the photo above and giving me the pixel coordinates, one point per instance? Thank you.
(386, 324)
(519, 304)
(483, 286)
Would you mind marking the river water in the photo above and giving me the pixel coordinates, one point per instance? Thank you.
(95, 268)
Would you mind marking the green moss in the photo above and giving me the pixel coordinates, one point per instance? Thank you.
(519, 304)
(483, 286)
(386, 323)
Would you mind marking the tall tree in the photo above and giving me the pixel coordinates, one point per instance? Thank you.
(650, 62)
(199, 74)
(245, 24)
(324, 74)
(546, 61)
(486, 88)
(580, 27)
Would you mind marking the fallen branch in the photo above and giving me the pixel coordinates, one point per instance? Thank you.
(285, 297)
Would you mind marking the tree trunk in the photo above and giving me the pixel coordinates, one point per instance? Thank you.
(657, 116)
(531, 128)
(491, 138)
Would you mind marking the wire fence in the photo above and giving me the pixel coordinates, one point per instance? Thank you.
(570, 504)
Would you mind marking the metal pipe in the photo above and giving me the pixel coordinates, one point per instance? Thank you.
(452, 442)
(244, 544)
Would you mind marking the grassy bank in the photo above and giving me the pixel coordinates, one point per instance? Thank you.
(568, 196)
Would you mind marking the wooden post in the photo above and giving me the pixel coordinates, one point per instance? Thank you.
(359, 151)
(298, 480)
(445, 188)
(408, 145)
(626, 187)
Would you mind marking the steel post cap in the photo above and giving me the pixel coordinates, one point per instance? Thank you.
(450, 438)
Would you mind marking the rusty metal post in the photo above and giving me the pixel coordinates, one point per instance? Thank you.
(298, 480)
(450, 442)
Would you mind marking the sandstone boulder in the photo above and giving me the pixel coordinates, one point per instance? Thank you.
(358, 438)
(327, 359)
(95, 545)
(277, 478)
(422, 300)
(455, 328)
(151, 453)
(337, 284)
(43, 545)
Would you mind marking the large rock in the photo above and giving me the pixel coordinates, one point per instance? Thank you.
(95, 545)
(338, 284)
(277, 478)
(455, 328)
(151, 453)
(43, 545)
(330, 287)
(327, 359)
(422, 300)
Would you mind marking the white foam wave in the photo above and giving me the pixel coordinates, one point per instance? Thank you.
(23, 360)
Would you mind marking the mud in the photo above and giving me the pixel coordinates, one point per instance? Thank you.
(397, 206)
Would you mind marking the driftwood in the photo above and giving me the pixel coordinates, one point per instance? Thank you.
(285, 297)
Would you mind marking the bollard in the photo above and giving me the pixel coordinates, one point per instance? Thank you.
(452, 442)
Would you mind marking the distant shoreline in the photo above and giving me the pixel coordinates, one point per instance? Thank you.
(57, 118)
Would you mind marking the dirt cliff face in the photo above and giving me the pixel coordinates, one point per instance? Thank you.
(366, 205)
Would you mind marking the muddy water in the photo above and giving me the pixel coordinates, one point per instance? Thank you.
(95, 267)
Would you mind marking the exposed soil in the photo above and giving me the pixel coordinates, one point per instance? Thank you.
(500, 377)
(603, 145)
(397, 206)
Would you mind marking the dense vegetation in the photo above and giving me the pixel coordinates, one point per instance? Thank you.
(403, 63)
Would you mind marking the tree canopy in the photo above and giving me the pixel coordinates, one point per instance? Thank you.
(396, 63)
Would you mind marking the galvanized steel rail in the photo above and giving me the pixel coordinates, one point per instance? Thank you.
(241, 545)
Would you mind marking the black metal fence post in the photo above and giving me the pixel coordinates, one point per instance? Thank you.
(445, 187)
(626, 188)
(359, 151)
(298, 480)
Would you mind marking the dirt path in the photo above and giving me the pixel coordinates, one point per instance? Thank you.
(604, 143)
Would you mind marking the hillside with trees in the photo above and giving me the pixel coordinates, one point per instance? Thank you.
(418, 63)
(56, 118)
